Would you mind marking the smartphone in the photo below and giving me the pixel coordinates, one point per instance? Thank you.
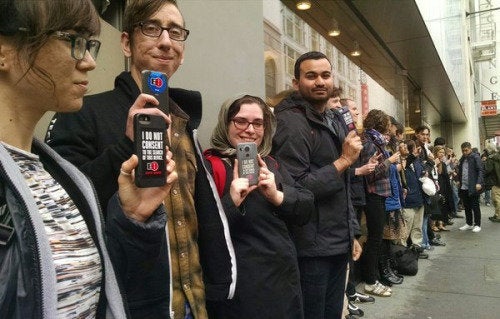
(156, 84)
(346, 115)
(149, 142)
(248, 165)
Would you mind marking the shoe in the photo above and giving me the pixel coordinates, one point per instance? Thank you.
(437, 242)
(359, 297)
(423, 256)
(387, 276)
(476, 229)
(441, 227)
(438, 236)
(354, 310)
(435, 228)
(349, 316)
(466, 227)
(494, 219)
(449, 223)
(377, 289)
(488, 204)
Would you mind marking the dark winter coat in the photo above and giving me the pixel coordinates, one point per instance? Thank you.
(268, 284)
(476, 170)
(307, 147)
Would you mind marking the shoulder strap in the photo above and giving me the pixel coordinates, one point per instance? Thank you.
(219, 171)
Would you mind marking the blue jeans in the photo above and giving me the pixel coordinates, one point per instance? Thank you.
(323, 285)
(425, 236)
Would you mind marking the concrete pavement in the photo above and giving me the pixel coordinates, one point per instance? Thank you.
(458, 281)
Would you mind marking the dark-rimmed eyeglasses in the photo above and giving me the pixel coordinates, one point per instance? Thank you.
(79, 45)
(154, 30)
(243, 124)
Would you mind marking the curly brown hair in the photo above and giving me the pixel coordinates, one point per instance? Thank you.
(377, 120)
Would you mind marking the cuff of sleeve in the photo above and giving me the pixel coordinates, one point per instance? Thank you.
(147, 231)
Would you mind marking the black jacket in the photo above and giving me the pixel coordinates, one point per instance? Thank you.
(268, 284)
(307, 148)
(94, 140)
(27, 288)
(476, 170)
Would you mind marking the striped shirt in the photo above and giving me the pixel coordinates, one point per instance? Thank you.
(76, 258)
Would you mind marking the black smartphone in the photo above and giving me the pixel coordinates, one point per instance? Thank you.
(248, 165)
(149, 141)
(346, 115)
(156, 84)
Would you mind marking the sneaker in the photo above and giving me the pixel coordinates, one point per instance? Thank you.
(488, 204)
(476, 229)
(359, 297)
(377, 289)
(494, 219)
(466, 227)
(354, 310)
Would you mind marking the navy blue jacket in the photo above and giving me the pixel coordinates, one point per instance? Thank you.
(413, 171)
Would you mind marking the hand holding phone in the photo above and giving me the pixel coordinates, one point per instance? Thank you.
(248, 165)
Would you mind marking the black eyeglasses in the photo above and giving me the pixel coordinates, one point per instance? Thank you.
(153, 29)
(243, 124)
(79, 45)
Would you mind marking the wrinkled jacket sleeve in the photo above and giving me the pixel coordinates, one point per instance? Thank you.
(139, 252)
(293, 146)
(74, 136)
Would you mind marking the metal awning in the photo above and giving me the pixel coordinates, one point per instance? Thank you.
(395, 43)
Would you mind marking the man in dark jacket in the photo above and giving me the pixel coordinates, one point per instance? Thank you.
(96, 141)
(470, 177)
(313, 145)
(492, 172)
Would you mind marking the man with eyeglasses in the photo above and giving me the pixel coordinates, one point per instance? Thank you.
(95, 140)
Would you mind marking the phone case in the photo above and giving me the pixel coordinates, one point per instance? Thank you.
(248, 165)
(149, 142)
(156, 83)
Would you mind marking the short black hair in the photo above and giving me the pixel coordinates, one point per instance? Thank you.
(465, 145)
(312, 55)
(439, 141)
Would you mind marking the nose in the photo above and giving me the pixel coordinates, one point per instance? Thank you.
(319, 81)
(250, 130)
(164, 39)
(87, 63)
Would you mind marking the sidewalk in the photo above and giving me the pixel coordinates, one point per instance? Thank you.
(458, 281)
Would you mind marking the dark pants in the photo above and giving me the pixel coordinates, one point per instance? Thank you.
(375, 222)
(471, 204)
(323, 285)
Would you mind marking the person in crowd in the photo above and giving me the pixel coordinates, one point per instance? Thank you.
(422, 137)
(335, 101)
(97, 140)
(487, 190)
(55, 259)
(357, 171)
(376, 125)
(258, 216)
(492, 171)
(313, 144)
(452, 165)
(413, 212)
(470, 177)
(445, 190)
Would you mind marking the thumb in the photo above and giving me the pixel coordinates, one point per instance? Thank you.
(235, 170)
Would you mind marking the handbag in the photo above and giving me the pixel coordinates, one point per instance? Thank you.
(405, 259)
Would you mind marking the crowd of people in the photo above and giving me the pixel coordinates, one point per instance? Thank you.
(333, 197)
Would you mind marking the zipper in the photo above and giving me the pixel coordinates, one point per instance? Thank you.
(38, 276)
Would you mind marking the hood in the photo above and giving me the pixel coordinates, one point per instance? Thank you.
(189, 101)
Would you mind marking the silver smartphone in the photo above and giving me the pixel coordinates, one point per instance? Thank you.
(248, 165)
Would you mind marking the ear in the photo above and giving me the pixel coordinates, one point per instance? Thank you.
(125, 43)
(295, 83)
(7, 54)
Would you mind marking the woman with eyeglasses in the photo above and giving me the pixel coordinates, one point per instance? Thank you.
(54, 262)
(267, 284)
